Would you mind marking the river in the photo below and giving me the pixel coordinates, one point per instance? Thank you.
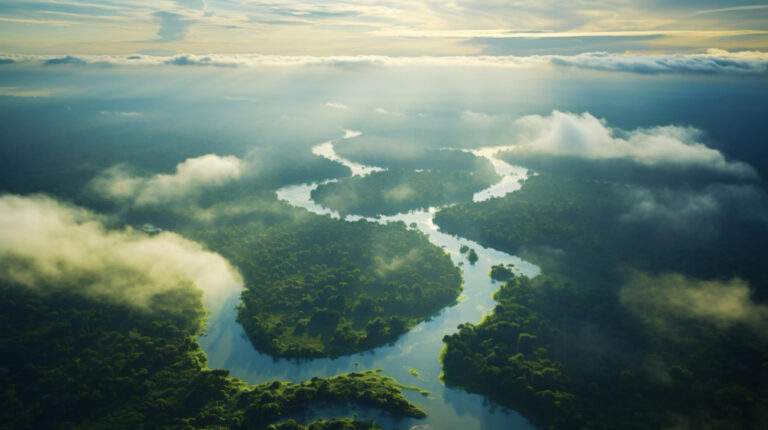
(447, 408)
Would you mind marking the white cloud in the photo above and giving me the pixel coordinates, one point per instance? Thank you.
(191, 176)
(715, 61)
(400, 193)
(479, 119)
(674, 296)
(334, 105)
(47, 245)
(350, 134)
(569, 134)
(382, 111)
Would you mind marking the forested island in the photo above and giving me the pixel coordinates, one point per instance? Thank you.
(320, 287)
(469, 253)
(404, 153)
(67, 361)
(625, 329)
(501, 272)
(401, 190)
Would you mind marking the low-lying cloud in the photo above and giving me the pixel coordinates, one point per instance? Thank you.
(400, 193)
(585, 136)
(660, 299)
(336, 105)
(698, 211)
(192, 176)
(713, 62)
(47, 246)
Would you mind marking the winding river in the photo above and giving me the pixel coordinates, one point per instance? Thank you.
(447, 408)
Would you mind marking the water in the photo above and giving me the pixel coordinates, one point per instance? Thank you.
(447, 408)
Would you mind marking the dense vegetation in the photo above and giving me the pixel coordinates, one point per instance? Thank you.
(67, 362)
(400, 190)
(580, 226)
(570, 351)
(501, 272)
(469, 253)
(325, 287)
(398, 153)
(570, 360)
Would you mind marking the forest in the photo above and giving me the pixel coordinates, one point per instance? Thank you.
(70, 362)
(397, 152)
(319, 286)
(615, 334)
(401, 190)
(583, 226)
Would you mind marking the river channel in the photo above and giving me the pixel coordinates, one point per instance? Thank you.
(447, 408)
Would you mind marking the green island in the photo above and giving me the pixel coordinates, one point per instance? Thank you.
(403, 153)
(321, 287)
(614, 335)
(71, 362)
(469, 253)
(501, 272)
(401, 190)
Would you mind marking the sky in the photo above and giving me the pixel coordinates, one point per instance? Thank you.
(387, 28)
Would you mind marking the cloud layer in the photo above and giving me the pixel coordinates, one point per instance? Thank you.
(585, 136)
(191, 177)
(47, 245)
(413, 27)
(713, 62)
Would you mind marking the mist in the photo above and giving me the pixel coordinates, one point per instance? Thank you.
(47, 245)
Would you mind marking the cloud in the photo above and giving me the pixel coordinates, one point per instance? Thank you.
(191, 177)
(716, 62)
(334, 105)
(193, 4)
(75, 61)
(196, 60)
(479, 119)
(49, 246)
(36, 92)
(731, 9)
(697, 211)
(350, 134)
(173, 27)
(585, 136)
(502, 33)
(385, 266)
(43, 22)
(661, 299)
(415, 28)
(400, 193)
(382, 111)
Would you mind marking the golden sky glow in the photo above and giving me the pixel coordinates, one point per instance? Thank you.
(394, 27)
